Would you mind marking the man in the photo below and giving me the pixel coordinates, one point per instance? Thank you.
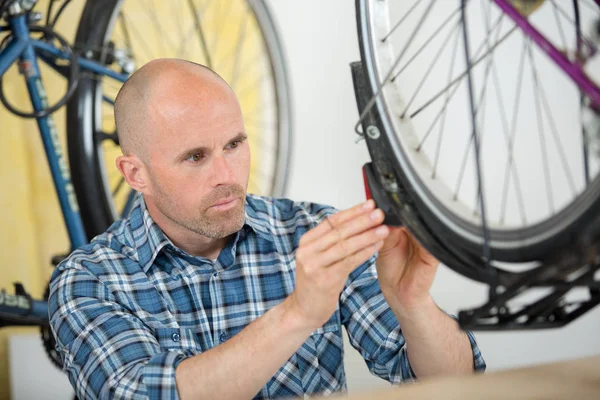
(208, 292)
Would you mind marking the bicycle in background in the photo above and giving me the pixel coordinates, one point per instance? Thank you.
(237, 39)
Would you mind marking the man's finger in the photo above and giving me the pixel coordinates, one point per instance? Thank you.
(348, 229)
(350, 263)
(346, 248)
(335, 220)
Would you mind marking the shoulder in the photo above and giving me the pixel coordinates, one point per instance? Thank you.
(104, 254)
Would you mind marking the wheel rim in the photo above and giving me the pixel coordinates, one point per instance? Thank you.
(238, 40)
(408, 146)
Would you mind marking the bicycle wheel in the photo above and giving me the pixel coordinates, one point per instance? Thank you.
(236, 38)
(525, 180)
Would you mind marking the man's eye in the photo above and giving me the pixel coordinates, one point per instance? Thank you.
(234, 144)
(195, 157)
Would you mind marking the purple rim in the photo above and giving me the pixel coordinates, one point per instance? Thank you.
(572, 69)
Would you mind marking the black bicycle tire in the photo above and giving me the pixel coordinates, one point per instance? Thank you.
(85, 156)
(580, 230)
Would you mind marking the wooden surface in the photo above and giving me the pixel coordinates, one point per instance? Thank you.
(572, 380)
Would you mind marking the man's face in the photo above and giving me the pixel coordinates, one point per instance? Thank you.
(199, 162)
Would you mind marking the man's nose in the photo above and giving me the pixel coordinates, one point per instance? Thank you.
(223, 172)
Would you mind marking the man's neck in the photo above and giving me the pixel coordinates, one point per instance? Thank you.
(187, 240)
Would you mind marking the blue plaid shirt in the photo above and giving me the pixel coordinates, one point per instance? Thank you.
(127, 308)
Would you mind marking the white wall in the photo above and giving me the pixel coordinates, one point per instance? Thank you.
(320, 42)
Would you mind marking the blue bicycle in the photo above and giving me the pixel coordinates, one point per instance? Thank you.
(236, 38)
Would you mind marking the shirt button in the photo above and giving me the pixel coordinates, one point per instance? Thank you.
(224, 337)
(216, 274)
(175, 337)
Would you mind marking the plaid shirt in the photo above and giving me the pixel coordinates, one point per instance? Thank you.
(130, 306)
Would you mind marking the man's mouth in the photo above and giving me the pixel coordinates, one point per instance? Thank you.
(226, 203)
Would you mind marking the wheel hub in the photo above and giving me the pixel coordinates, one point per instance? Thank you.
(526, 7)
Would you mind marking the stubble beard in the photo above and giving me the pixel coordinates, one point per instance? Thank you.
(208, 222)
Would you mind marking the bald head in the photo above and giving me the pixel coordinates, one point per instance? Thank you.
(154, 87)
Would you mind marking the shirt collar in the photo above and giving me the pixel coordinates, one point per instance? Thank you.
(260, 222)
(150, 239)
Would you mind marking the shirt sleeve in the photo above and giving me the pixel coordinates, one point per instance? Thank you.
(374, 330)
(107, 352)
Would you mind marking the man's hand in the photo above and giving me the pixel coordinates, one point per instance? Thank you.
(405, 271)
(328, 253)
(436, 344)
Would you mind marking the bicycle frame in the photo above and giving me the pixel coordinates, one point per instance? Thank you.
(21, 309)
(571, 68)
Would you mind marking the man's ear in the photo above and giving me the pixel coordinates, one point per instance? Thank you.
(134, 172)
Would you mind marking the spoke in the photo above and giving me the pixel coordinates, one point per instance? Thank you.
(238, 52)
(481, 108)
(409, 42)
(588, 41)
(401, 20)
(265, 180)
(546, 104)
(252, 182)
(123, 25)
(510, 141)
(480, 189)
(257, 127)
(446, 101)
(255, 120)
(504, 119)
(585, 144)
(585, 141)
(108, 84)
(145, 45)
(559, 24)
(255, 82)
(266, 177)
(443, 110)
(433, 36)
(217, 37)
(464, 74)
(263, 147)
(262, 109)
(189, 35)
(178, 21)
(146, 7)
(200, 32)
(480, 114)
(264, 116)
(538, 113)
(387, 78)
(592, 6)
(466, 153)
(256, 117)
(251, 61)
(428, 72)
(164, 35)
(250, 106)
(477, 109)
(184, 46)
